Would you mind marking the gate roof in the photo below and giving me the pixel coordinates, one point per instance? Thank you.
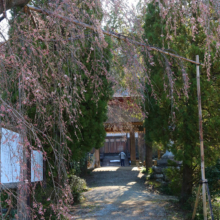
(124, 114)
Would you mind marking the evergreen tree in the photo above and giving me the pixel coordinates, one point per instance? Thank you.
(157, 104)
(91, 132)
(176, 118)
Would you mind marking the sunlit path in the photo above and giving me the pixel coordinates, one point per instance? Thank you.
(120, 193)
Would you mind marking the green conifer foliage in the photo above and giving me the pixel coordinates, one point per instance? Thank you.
(176, 118)
(91, 133)
(157, 104)
(96, 60)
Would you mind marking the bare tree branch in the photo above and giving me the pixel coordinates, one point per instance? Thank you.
(14, 3)
(109, 33)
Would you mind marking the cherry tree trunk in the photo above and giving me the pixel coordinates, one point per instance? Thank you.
(12, 3)
(133, 148)
(148, 160)
(187, 183)
(141, 146)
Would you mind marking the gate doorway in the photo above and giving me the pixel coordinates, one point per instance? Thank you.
(124, 123)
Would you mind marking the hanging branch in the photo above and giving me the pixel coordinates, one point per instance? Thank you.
(110, 33)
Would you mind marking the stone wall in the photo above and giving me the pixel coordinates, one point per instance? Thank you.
(159, 171)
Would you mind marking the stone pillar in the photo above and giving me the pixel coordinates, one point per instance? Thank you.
(97, 158)
(133, 148)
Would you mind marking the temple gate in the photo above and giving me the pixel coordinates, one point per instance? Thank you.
(124, 116)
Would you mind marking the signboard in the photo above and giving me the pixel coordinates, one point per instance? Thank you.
(12, 157)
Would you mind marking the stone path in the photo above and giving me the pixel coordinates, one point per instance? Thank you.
(119, 193)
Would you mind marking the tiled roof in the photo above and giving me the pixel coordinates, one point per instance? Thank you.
(118, 114)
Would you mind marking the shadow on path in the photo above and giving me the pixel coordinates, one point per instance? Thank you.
(120, 193)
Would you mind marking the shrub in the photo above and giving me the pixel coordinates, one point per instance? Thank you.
(143, 170)
(213, 176)
(174, 175)
(199, 213)
(77, 186)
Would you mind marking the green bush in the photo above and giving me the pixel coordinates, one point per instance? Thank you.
(77, 186)
(199, 213)
(143, 170)
(149, 171)
(216, 209)
(174, 176)
(213, 176)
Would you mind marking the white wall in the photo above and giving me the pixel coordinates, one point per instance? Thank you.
(120, 134)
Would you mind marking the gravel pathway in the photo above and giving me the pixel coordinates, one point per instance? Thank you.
(119, 193)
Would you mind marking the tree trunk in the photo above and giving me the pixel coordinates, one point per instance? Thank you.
(97, 158)
(141, 150)
(132, 148)
(12, 3)
(187, 183)
(148, 161)
(83, 167)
